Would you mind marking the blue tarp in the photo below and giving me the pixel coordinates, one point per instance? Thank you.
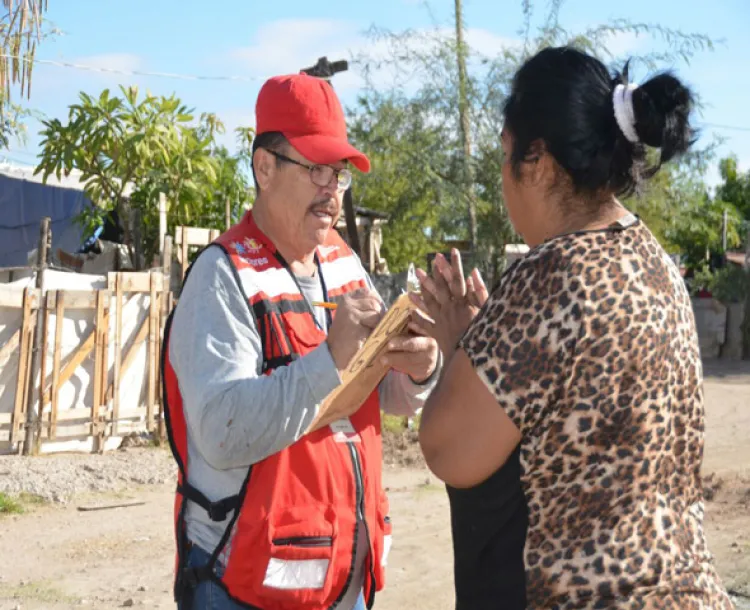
(23, 204)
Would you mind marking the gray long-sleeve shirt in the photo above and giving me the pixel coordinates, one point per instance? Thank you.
(236, 416)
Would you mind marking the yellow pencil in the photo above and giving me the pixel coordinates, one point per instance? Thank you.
(324, 305)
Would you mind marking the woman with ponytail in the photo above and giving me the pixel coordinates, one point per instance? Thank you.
(568, 422)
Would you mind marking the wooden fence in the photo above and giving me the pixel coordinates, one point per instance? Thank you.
(101, 422)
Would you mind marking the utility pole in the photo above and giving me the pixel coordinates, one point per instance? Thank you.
(325, 69)
(465, 127)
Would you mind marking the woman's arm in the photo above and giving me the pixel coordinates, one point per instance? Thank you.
(464, 433)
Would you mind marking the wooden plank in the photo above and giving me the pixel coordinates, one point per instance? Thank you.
(77, 299)
(100, 369)
(27, 329)
(153, 334)
(166, 307)
(14, 297)
(213, 235)
(118, 353)
(96, 399)
(83, 414)
(139, 282)
(192, 236)
(184, 261)
(10, 346)
(140, 337)
(42, 374)
(11, 297)
(55, 388)
(75, 360)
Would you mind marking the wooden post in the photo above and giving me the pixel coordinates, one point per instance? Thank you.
(465, 129)
(98, 366)
(44, 313)
(185, 253)
(153, 353)
(166, 307)
(137, 240)
(55, 386)
(162, 221)
(229, 213)
(118, 354)
(45, 243)
(746, 321)
(140, 337)
(16, 424)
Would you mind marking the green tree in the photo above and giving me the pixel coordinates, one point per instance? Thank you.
(21, 30)
(405, 184)
(736, 186)
(424, 77)
(130, 150)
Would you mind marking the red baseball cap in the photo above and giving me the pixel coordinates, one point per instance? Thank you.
(306, 110)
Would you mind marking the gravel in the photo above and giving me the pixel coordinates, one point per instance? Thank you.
(58, 478)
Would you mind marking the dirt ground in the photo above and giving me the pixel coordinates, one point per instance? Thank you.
(56, 558)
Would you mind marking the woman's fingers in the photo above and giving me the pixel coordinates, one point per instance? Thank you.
(442, 276)
(457, 282)
(428, 300)
(480, 288)
(420, 323)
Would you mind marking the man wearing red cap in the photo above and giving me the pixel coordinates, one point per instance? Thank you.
(279, 501)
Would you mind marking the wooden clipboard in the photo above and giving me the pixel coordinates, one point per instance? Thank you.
(365, 370)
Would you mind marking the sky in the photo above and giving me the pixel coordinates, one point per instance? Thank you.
(253, 40)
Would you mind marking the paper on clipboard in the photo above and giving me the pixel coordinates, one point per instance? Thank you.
(365, 371)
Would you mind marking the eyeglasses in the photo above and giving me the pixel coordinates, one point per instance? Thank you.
(320, 175)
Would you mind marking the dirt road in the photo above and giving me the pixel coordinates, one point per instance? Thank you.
(56, 558)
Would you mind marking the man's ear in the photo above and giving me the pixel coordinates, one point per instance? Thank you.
(264, 166)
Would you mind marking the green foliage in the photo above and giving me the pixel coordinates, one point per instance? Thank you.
(423, 89)
(697, 228)
(9, 505)
(736, 186)
(405, 184)
(728, 284)
(21, 30)
(129, 150)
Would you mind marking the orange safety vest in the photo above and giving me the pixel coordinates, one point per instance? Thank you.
(291, 542)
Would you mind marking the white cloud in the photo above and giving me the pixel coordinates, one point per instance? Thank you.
(124, 62)
(489, 44)
(66, 79)
(232, 119)
(286, 46)
(623, 44)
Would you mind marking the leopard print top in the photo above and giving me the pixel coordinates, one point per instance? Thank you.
(589, 344)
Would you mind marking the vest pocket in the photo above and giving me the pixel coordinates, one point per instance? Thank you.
(301, 560)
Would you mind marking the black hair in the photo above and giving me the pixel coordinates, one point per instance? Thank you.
(270, 140)
(563, 98)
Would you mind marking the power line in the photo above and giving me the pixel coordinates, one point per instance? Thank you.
(194, 77)
(730, 127)
(199, 77)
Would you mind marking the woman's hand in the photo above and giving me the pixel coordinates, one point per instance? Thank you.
(450, 300)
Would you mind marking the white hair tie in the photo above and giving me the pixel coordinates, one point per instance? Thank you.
(622, 100)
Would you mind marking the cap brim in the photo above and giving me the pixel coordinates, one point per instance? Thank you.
(326, 150)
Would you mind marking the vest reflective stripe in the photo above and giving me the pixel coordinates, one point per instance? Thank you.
(291, 544)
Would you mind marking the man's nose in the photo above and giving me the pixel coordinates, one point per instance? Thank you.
(332, 188)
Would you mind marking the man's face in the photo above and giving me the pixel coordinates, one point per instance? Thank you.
(304, 210)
